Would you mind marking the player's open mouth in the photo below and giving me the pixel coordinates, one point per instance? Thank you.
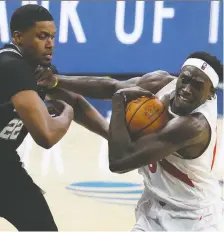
(184, 99)
(48, 56)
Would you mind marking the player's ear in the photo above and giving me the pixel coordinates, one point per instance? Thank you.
(17, 37)
(212, 93)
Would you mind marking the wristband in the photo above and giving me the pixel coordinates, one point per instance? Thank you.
(56, 83)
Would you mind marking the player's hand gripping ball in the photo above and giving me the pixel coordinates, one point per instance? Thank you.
(145, 113)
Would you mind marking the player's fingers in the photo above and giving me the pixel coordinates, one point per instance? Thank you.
(38, 69)
(39, 72)
(59, 105)
(41, 83)
(43, 74)
(146, 93)
(149, 94)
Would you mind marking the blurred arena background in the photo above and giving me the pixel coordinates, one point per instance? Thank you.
(120, 39)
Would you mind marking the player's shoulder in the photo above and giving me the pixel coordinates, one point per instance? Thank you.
(155, 81)
(11, 60)
(7, 57)
(10, 55)
(200, 122)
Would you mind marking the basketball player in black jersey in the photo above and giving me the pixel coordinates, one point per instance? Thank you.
(22, 110)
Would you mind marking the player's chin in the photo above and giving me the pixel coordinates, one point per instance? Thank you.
(183, 108)
(45, 62)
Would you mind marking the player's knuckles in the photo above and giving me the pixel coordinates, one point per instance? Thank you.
(39, 70)
(40, 73)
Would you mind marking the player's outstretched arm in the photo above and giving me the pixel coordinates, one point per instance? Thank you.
(102, 87)
(84, 113)
(126, 155)
(45, 130)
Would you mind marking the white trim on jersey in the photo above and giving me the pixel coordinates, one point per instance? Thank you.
(10, 50)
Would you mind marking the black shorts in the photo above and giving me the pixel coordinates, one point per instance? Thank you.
(22, 202)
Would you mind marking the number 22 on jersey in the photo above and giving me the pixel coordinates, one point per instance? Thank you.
(12, 130)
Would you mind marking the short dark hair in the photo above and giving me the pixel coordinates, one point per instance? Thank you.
(213, 61)
(26, 16)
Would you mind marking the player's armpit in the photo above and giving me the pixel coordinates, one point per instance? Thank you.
(45, 130)
(125, 154)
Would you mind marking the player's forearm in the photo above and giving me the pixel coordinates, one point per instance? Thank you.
(94, 122)
(49, 131)
(84, 113)
(57, 128)
(87, 116)
(119, 138)
(89, 86)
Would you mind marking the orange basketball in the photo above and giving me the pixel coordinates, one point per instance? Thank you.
(145, 115)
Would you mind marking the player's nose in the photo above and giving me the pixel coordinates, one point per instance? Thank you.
(186, 90)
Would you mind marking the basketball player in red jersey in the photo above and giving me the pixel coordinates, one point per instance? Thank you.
(181, 189)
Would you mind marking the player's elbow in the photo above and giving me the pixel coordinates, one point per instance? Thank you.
(113, 167)
(44, 142)
(46, 145)
(117, 168)
(47, 137)
(118, 158)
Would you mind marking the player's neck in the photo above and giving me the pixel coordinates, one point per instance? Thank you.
(172, 108)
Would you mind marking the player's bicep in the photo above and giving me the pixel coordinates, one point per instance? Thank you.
(33, 113)
(132, 82)
(152, 81)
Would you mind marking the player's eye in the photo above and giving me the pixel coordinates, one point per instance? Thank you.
(42, 36)
(198, 85)
(185, 79)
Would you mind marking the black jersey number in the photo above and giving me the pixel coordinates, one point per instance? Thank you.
(12, 130)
